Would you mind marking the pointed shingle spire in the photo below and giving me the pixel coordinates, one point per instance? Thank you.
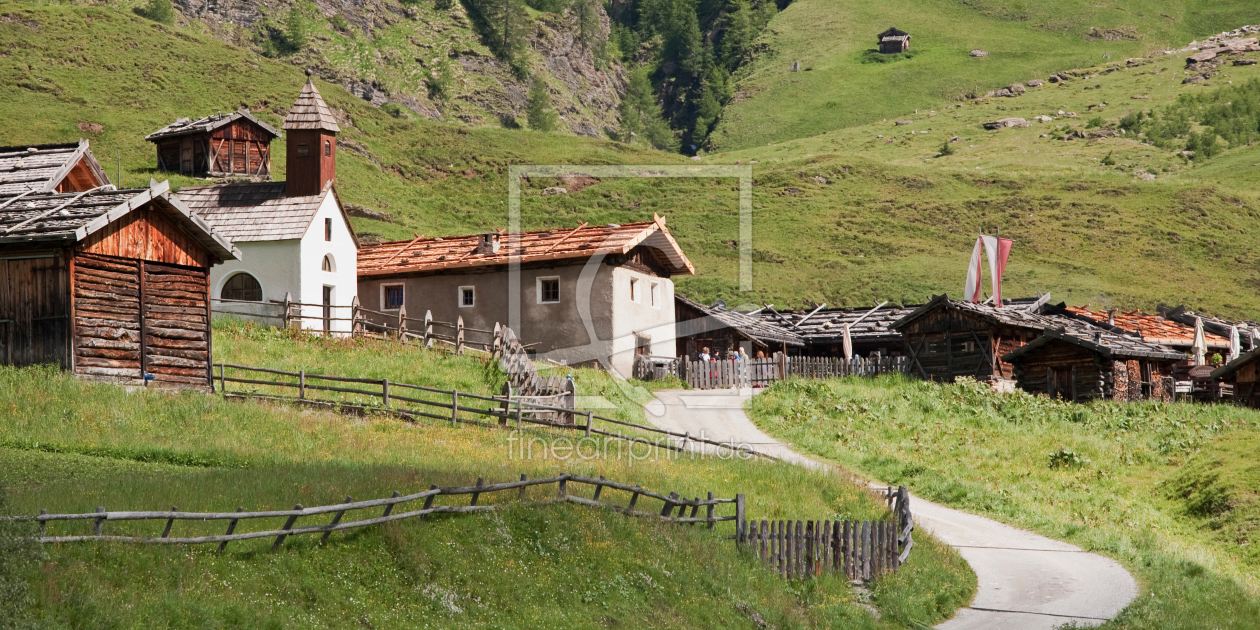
(310, 111)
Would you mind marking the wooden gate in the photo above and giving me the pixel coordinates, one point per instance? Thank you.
(34, 310)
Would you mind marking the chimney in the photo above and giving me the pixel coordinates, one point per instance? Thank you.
(1111, 317)
(310, 143)
(489, 244)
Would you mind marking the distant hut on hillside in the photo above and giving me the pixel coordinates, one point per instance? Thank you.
(220, 145)
(894, 41)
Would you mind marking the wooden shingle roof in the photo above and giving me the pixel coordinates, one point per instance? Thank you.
(749, 326)
(254, 211)
(1025, 316)
(424, 255)
(310, 111)
(41, 168)
(72, 217)
(184, 127)
(1108, 344)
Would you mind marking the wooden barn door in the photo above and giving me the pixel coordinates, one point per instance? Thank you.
(107, 317)
(34, 310)
(176, 324)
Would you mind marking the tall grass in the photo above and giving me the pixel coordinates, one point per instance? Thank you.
(1097, 475)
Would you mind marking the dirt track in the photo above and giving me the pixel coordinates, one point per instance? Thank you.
(1025, 580)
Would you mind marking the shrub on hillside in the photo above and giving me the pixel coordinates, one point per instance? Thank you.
(538, 112)
(160, 11)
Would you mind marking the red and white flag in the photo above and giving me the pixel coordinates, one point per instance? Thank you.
(997, 250)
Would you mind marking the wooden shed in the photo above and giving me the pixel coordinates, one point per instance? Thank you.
(722, 331)
(946, 339)
(109, 284)
(894, 41)
(220, 145)
(1244, 376)
(1084, 364)
(68, 167)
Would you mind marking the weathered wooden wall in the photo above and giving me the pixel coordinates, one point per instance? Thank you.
(147, 234)
(306, 175)
(176, 324)
(947, 344)
(1043, 371)
(240, 148)
(107, 341)
(34, 308)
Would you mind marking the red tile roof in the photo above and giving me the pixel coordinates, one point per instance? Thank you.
(459, 252)
(1153, 328)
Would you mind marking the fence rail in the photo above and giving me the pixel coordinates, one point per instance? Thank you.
(503, 410)
(670, 503)
(723, 373)
(859, 550)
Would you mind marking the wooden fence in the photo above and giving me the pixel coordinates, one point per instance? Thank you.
(716, 374)
(858, 550)
(404, 400)
(674, 509)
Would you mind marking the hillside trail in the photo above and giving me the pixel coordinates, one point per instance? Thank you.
(1024, 580)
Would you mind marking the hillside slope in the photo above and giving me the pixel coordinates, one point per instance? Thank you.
(842, 84)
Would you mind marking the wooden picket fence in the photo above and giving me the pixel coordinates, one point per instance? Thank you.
(674, 509)
(725, 373)
(858, 550)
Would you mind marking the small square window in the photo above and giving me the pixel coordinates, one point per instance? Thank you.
(655, 295)
(303, 150)
(327, 148)
(392, 296)
(327, 229)
(548, 290)
(634, 289)
(467, 297)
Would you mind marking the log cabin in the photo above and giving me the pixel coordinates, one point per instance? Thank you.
(945, 339)
(590, 295)
(108, 284)
(219, 145)
(1081, 364)
(44, 168)
(1244, 376)
(722, 331)
(893, 41)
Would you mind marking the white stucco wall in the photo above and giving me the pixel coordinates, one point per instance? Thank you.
(640, 317)
(345, 277)
(294, 267)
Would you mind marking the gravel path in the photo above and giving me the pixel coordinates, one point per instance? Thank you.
(1025, 580)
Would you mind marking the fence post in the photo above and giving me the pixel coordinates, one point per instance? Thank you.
(402, 322)
(459, 335)
(518, 414)
(336, 519)
(521, 496)
(454, 407)
(231, 528)
(589, 414)
(389, 507)
(385, 392)
(599, 487)
(669, 508)
(709, 511)
(301, 384)
(496, 345)
(288, 525)
(506, 405)
(562, 490)
(570, 402)
(428, 501)
(634, 498)
(288, 307)
(169, 522)
(43, 525)
(100, 521)
(739, 518)
(428, 329)
(476, 495)
(222, 380)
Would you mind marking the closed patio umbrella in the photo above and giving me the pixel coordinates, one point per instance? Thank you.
(1199, 347)
(1235, 344)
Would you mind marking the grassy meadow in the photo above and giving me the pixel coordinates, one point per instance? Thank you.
(842, 83)
(1169, 490)
(70, 446)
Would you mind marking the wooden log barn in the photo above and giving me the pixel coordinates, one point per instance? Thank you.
(68, 167)
(722, 331)
(893, 41)
(1081, 364)
(219, 145)
(108, 284)
(946, 339)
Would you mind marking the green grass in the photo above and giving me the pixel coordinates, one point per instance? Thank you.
(71, 446)
(1130, 494)
(841, 85)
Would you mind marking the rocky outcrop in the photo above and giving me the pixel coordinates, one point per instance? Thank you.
(1006, 123)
